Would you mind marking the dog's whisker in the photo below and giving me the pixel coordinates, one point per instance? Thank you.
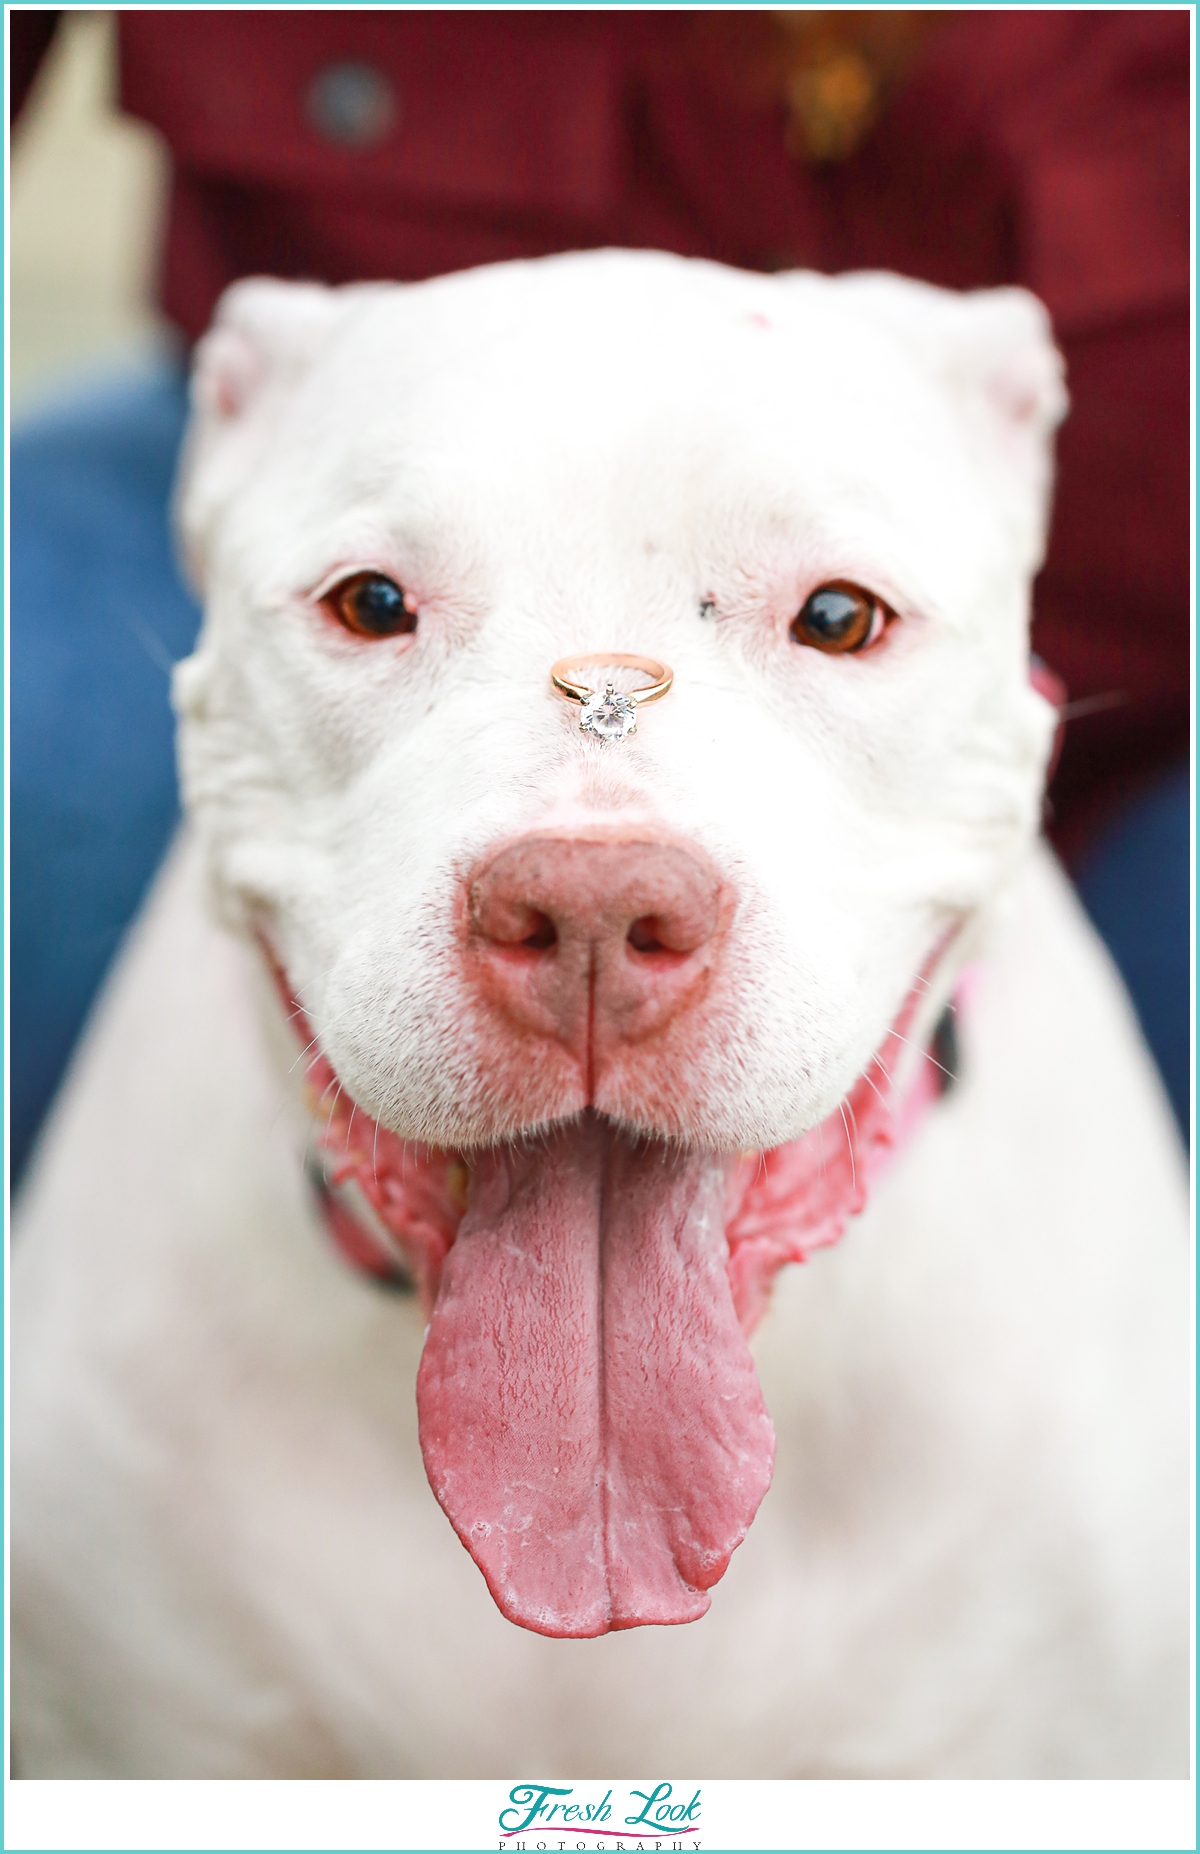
(850, 1144)
(1092, 705)
(150, 642)
(924, 1051)
(303, 1053)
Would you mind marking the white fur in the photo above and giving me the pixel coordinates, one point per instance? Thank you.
(226, 1555)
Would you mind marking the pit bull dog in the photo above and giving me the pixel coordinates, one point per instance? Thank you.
(434, 1205)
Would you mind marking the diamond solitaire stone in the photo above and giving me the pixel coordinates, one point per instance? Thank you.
(609, 714)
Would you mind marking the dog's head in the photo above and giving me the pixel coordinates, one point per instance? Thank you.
(821, 502)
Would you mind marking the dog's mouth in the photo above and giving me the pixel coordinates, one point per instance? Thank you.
(590, 1416)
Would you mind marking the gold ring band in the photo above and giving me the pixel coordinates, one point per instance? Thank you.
(564, 676)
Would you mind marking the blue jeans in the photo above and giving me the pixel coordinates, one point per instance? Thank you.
(98, 616)
(1134, 883)
(99, 613)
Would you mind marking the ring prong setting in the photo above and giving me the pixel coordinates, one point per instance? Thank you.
(609, 714)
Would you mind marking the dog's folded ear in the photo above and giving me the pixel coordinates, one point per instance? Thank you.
(263, 339)
(994, 352)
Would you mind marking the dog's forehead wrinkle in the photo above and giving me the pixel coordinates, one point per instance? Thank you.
(433, 458)
(427, 370)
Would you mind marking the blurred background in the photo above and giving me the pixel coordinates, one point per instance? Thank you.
(88, 191)
(970, 147)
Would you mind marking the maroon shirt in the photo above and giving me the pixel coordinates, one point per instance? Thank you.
(1048, 148)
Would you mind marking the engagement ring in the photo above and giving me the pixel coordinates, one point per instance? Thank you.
(607, 711)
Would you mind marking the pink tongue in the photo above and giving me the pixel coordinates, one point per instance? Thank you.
(590, 1416)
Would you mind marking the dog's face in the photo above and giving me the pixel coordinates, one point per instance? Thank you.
(637, 454)
(819, 501)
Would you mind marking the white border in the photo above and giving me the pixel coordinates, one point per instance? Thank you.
(370, 1815)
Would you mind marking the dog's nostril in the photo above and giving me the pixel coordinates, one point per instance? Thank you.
(645, 935)
(542, 935)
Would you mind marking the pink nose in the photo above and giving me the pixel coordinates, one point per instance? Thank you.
(593, 941)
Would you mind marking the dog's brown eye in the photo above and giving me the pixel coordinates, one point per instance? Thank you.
(839, 618)
(371, 605)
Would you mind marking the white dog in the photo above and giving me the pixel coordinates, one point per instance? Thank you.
(590, 1032)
